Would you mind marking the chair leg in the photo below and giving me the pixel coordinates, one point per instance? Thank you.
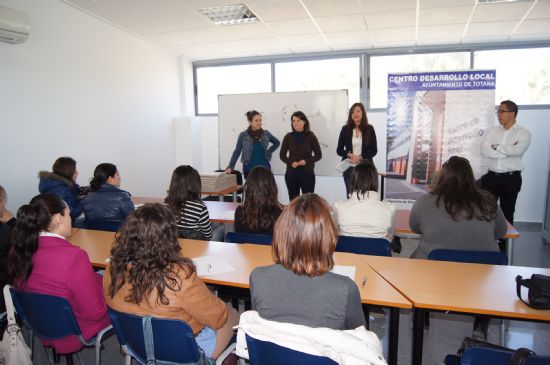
(69, 359)
(79, 358)
(128, 360)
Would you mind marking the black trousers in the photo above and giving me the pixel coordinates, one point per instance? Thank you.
(299, 180)
(505, 187)
(347, 177)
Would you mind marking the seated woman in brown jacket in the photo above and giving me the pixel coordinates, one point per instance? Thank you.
(148, 276)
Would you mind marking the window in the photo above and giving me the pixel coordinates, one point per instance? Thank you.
(523, 75)
(327, 74)
(236, 79)
(380, 66)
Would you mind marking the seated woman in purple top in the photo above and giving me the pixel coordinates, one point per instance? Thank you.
(43, 261)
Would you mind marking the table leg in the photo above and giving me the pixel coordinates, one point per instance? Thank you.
(510, 251)
(394, 336)
(418, 335)
(220, 198)
(234, 196)
(382, 179)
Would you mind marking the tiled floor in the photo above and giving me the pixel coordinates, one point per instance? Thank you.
(446, 331)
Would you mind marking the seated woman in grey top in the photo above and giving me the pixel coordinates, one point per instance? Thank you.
(456, 214)
(299, 288)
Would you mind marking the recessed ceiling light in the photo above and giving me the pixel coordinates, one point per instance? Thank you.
(230, 14)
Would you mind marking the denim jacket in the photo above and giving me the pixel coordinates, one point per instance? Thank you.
(245, 144)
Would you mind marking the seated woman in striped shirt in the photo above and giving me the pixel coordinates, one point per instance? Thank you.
(184, 197)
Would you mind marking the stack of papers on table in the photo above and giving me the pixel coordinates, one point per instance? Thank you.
(217, 181)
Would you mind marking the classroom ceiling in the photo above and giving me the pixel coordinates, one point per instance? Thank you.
(305, 26)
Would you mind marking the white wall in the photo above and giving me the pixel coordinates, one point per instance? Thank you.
(82, 88)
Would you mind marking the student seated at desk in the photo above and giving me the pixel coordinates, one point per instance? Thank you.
(184, 197)
(62, 181)
(7, 222)
(148, 276)
(363, 214)
(456, 214)
(43, 261)
(261, 207)
(105, 201)
(299, 288)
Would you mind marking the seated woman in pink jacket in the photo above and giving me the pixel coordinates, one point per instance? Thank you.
(43, 261)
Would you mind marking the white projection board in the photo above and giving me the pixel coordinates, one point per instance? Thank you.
(327, 112)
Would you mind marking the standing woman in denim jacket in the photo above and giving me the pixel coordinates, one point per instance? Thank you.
(254, 145)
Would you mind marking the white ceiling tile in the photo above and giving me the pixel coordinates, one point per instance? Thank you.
(154, 7)
(341, 23)
(311, 49)
(230, 46)
(348, 38)
(446, 3)
(264, 44)
(451, 31)
(391, 19)
(293, 27)
(390, 44)
(385, 5)
(185, 20)
(438, 41)
(444, 16)
(529, 37)
(236, 54)
(143, 25)
(110, 9)
(541, 10)
(490, 29)
(498, 12)
(351, 47)
(272, 52)
(309, 40)
(198, 4)
(247, 31)
(208, 35)
(168, 39)
(391, 35)
(332, 7)
(277, 9)
(535, 26)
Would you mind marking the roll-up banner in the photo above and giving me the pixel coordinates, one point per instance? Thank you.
(432, 116)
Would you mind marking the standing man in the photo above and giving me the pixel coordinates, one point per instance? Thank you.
(504, 146)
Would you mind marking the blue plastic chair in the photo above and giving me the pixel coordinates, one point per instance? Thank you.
(52, 318)
(260, 239)
(475, 257)
(103, 225)
(268, 353)
(364, 245)
(484, 356)
(173, 340)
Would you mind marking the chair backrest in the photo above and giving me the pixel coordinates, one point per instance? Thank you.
(483, 356)
(261, 239)
(103, 225)
(268, 353)
(364, 245)
(50, 317)
(173, 339)
(475, 257)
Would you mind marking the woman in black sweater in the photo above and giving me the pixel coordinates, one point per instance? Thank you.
(357, 140)
(299, 151)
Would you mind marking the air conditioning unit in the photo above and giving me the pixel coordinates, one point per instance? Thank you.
(14, 25)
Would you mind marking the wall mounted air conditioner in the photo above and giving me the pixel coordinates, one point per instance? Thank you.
(14, 25)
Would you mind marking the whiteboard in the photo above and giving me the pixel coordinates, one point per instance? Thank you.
(327, 112)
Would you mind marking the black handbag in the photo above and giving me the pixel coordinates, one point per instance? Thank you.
(539, 290)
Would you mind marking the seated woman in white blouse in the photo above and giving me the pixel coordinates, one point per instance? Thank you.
(363, 214)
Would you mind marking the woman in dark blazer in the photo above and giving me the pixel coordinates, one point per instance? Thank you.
(357, 140)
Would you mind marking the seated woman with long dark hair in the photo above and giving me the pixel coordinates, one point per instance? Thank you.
(184, 197)
(148, 276)
(43, 261)
(456, 214)
(299, 288)
(261, 207)
(363, 214)
(106, 201)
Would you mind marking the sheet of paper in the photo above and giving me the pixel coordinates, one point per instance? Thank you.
(137, 205)
(344, 165)
(348, 271)
(211, 265)
(228, 215)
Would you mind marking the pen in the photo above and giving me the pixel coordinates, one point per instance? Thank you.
(364, 282)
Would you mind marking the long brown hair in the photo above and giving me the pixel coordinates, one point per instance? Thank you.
(364, 125)
(457, 190)
(185, 185)
(305, 236)
(147, 255)
(261, 206)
